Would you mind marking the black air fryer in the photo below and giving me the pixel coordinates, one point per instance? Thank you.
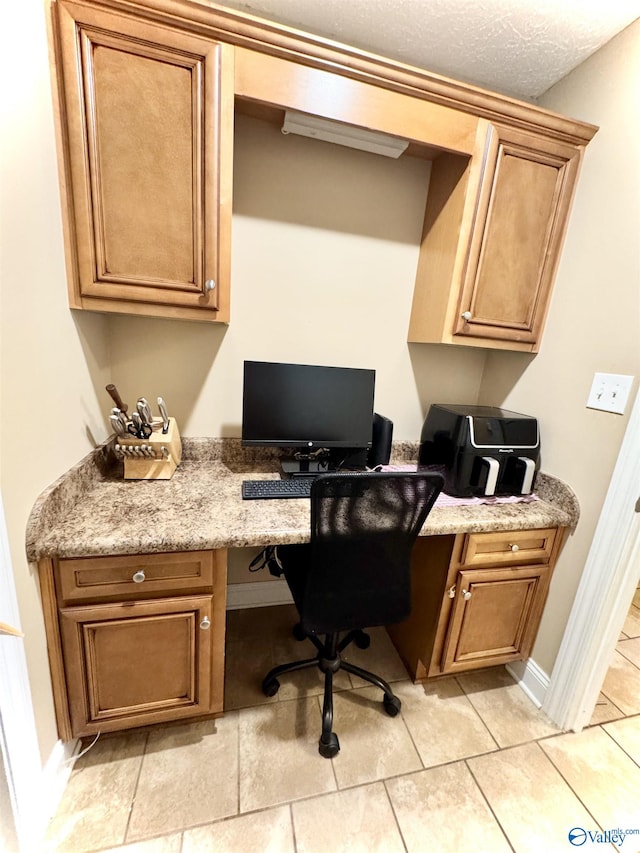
(482, 450)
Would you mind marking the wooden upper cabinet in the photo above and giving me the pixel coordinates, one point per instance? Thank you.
(148, 115)
(498, 221)
(146, 91)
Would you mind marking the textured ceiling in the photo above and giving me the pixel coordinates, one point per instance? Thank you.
(518, 47)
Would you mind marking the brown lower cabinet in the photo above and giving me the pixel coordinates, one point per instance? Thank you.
(135, 640)
(477, 600)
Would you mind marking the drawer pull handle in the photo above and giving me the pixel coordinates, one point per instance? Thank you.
(466, 594)
(205, 624)
(139, 576)
(466, 316)
(514, 548)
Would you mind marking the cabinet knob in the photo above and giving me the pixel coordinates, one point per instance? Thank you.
(139, 576)
(452, 592)
(205, 624)
(466, 316)
(514, 548)
(209, 285)
(466, 594)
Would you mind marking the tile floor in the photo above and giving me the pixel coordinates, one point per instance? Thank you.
(469, 765)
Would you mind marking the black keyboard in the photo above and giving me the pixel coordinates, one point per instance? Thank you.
(296, 487)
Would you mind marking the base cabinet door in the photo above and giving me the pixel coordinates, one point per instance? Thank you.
(135, 663)
(494, 617)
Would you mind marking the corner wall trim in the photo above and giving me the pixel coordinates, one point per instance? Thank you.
(602, 601)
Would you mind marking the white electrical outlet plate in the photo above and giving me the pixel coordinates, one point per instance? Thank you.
(610, 392)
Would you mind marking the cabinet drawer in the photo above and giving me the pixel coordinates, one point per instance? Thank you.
(128, 577)
(508, 548)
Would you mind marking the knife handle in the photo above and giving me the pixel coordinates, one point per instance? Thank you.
(112, 391)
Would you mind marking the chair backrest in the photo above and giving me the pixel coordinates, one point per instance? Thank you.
(363, 527)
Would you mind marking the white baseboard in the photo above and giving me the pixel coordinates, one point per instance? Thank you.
(57, 770)
(530, 678)
(257, 594)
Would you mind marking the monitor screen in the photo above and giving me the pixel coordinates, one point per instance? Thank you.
(303, 405)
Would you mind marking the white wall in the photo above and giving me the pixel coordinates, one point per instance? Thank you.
(594, 321)
(52, 362)
(325, 248)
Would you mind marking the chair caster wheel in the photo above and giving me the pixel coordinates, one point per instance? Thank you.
(331, 747)
(298, 632)
(392, 705)
(270, 686)
(362, 640)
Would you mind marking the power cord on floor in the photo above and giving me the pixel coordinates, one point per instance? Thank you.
(74, 758)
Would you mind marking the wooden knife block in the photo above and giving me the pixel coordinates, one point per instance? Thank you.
(159, 466)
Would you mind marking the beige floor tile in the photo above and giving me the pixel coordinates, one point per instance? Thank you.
(604, 711)
(630, 649)
(636, 598)
(602, 775)
(269, 831)
(631, 625)
(508, 713)
(534, 805)
(373, 745)
(162, 844)
(95, 807)
(279, 759)
(381, 658)
(189, 776)
(356, 821)
(442, 722)
(627, 734)
(622, 684)
(443, 809)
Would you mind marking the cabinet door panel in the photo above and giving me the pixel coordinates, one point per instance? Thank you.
(146, 115)
(523, 208)
(134, 664)
(495, 616)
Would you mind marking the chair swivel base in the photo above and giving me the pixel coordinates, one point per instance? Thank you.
(329, 745)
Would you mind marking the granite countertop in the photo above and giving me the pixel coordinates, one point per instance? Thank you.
(91, 510)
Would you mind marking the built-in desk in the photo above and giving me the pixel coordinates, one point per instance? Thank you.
(133, 579)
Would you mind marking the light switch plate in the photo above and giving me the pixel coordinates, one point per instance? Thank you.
(610, 392)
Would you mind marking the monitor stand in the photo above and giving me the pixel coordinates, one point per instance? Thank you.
(324, 462)
(307, 464)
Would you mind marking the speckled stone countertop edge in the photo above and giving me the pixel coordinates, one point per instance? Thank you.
(58, 525)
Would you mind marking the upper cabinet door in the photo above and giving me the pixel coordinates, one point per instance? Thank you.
(523, 207)
(147, 118)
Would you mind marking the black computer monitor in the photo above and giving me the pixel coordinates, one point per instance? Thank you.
(309, 408)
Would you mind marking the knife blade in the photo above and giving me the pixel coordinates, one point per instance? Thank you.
(112, 391)
(165, 416)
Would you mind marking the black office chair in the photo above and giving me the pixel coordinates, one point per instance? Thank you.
(354, 574)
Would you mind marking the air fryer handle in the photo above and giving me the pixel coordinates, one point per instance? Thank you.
(529, 471)
(492, 475)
